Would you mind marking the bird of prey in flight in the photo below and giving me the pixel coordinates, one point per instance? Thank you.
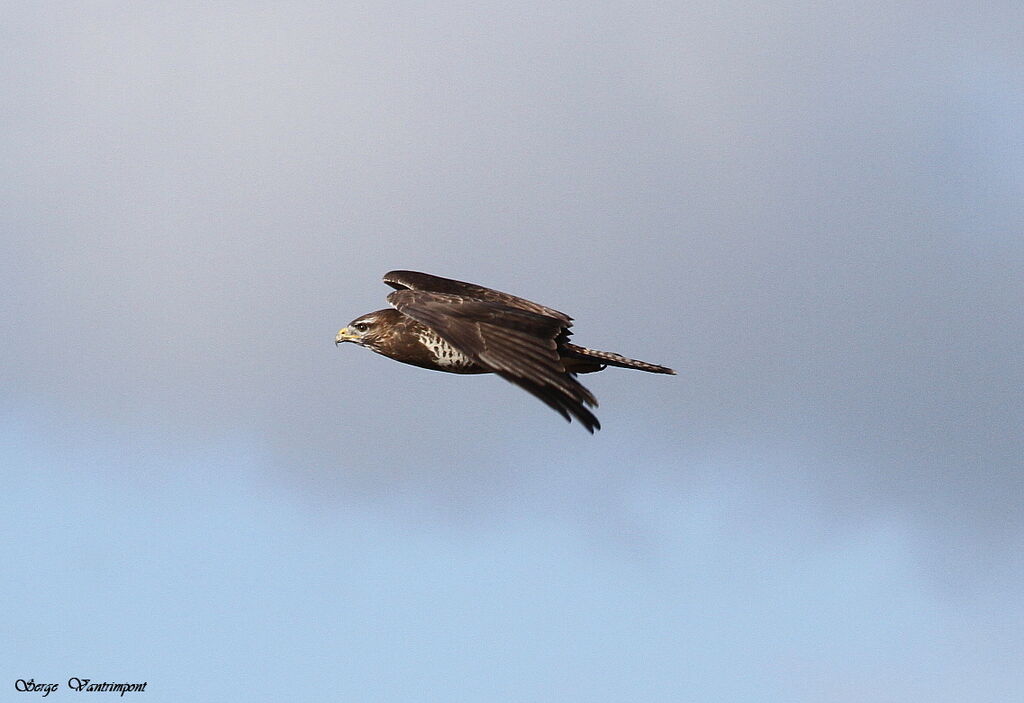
(446, 325)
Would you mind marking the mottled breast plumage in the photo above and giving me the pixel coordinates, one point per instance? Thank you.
(445, 355)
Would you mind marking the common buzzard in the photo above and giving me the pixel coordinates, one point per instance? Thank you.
(446, 325)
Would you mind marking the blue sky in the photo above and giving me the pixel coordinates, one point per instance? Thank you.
(198, 572)
(812, 212)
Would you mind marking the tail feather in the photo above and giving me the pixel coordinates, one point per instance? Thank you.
(613, 359)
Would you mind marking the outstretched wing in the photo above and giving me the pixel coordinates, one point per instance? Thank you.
(413, 280)
(518, 344)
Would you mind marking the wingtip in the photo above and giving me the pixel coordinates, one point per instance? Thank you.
(394, 278)
(590, 427)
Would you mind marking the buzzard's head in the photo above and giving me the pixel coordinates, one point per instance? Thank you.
(368, 330)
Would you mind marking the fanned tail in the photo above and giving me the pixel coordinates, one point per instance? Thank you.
(612, 359)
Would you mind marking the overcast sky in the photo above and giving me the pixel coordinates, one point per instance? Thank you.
(812, 211)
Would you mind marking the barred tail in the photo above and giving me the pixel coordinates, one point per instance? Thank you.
(612, 359)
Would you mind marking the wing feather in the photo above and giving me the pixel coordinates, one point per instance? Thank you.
(558, 402)
(517, 343)
(414, 280)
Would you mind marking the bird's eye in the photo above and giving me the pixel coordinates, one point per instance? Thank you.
(360, 326)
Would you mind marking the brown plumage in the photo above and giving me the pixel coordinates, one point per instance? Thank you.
(447, 325)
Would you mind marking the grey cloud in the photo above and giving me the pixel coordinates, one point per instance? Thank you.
(814, 215)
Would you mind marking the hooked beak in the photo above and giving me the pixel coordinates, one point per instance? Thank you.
(345, 336)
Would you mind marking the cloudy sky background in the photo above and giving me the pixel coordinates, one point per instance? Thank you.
(812, 211)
